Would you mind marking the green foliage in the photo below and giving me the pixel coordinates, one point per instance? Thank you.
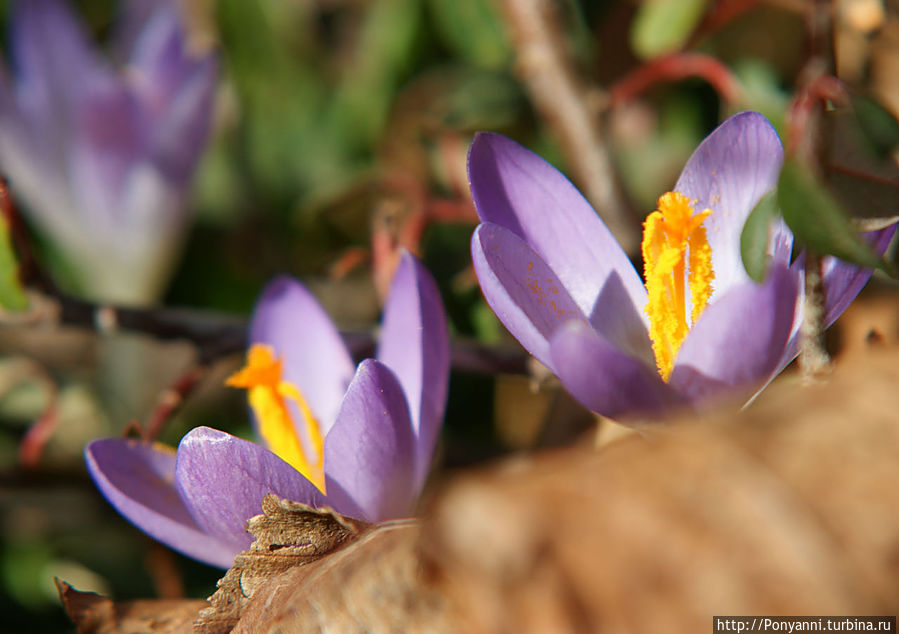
(756, 235)
(473, 31)
(861, 171)
(664, 26)
(816, 218)
(12, 295)
(877, 124)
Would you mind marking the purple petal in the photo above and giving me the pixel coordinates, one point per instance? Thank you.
(182, 129)
(137, 479)
(176, 90)
(222, 480)
(53, 65)
(414, 344)
(603, 378)
(370, 451)
(730, 171)
(738, 341)
(290, 319)
(521, 289)
(518, 190)
(109, 142)
(51, 52)
(159, 50)
(843, 281)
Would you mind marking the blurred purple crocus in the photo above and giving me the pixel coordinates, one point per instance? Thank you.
(101, 152)
(700, 328)
(378, 424)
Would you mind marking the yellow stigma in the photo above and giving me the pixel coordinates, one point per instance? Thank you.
(675, 250)
(269, 396)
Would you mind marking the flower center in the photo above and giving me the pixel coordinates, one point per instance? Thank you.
(676, 253)
(269, 397)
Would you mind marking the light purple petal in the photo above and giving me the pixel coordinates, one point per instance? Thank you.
(521, 289)
(51, 53)
(603, 378)
(738, 341)
(730, 171)
(159, 52)
(414, 344)
(290, 319)
(222, 480)
(176, 89)
(370, 451)
(843, 281)
(182, 129)
(51, 80)
(137, 479)
(109, 141)
(518, 190)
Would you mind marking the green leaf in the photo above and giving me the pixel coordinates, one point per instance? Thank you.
(860, 170)
(878, 125)
(12, 295)
(818, 220)
(663, 26)
(756, 235)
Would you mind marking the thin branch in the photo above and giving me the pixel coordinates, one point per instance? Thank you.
(676, 67)
(562, 101)
(216, 335)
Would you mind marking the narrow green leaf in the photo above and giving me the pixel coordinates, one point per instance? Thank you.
(818, 220)
(756, 235)
(12, 295)
(663, 26)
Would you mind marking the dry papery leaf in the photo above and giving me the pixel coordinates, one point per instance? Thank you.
(96, 614)
(789, 507)
(288, 534)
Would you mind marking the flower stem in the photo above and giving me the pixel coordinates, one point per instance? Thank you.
(814, 360)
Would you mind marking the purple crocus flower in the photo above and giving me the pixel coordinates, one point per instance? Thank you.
(377, 423)
(102, 154)
(699, 328)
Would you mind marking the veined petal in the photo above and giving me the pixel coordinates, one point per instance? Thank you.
(414, 344)
(516, 189)
(739, 340)
(138, 480)
(222, 480)
(521, 289)
(290, 319)
(730, 171)
(370, 451)
(603, 378)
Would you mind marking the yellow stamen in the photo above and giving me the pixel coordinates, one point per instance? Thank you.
(268, 396)
(668, 233)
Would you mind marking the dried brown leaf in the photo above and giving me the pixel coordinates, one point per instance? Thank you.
(288, 534)
(95, 614)
(786, 508)
(373, 585)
